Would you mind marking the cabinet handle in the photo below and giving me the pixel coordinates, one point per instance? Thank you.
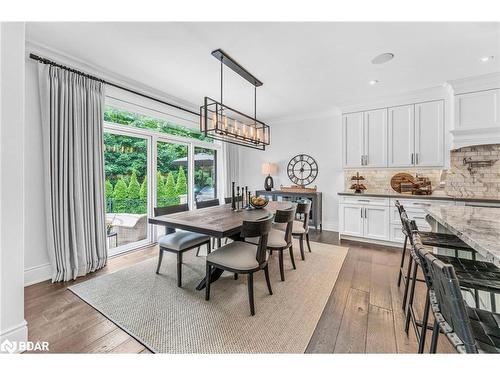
(363, 200)
(416, 158)
(366, 159)
(366, 213)
(412, 158)
(362, 160)
(361, 212)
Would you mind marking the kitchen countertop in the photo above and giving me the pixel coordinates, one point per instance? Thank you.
(440, 195)
(479, 227)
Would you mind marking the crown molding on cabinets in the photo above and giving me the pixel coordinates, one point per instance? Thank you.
(477, 83)
(410, 97)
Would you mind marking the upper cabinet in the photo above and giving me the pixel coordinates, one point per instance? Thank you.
(477, 111)
(352, 133)
(429, 134)
(375, 138)
(365, 139)
(403, 136)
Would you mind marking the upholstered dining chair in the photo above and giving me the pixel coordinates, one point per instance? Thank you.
(300, 228)
(278, 240)
(243, 257)
(178, 241)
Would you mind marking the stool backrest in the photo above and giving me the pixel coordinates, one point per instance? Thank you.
(451, 312)
(261, 229)
(236, 199)
(167, 210)
(303, 209)
(207, 203)
(286, 216)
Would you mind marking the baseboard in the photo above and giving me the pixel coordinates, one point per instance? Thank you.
(10, 337)
(37, 274)
(369, 240)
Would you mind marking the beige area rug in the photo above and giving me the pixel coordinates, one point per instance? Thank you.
(168, 319)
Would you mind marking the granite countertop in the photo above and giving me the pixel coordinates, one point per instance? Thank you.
(479, 227)
(439, 194)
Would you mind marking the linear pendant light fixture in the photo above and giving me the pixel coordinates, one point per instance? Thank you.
(218, 121)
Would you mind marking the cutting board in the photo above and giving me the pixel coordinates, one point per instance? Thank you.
(398, 178)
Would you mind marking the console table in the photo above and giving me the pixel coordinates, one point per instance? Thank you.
(316, 206)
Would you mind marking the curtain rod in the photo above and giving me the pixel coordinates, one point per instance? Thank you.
(50, 62)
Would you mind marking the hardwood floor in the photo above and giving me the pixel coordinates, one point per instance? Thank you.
(362, 315)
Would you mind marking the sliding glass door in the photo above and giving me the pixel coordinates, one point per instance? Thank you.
(150, 163)
(126, 170)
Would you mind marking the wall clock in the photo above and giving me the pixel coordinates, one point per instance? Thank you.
(302, 169)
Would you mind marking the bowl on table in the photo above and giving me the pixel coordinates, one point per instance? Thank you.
(258, 202)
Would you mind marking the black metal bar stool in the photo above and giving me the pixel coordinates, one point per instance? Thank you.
(443, 240)
(468, 272)
(468, 329)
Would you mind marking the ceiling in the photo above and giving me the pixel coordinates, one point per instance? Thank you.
(305, 67)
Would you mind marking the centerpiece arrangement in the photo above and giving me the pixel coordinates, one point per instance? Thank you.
(241, 198)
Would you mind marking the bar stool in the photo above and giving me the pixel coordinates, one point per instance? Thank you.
(443, 240)
(468, 329)
(467, 271)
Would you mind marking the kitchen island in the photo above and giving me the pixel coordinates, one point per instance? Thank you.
(479, 227)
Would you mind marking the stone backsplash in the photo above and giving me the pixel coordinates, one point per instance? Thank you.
(481, 181)
(380, 179)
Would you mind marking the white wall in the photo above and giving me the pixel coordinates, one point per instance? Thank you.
(319, 136)
(12, 324)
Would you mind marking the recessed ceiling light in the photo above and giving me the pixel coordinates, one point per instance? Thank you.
(373, 82)
(383, 58)
(487, 58)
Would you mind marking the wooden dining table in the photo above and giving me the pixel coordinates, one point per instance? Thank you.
(217, 221)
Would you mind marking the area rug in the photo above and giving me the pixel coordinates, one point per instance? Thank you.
(168, 319)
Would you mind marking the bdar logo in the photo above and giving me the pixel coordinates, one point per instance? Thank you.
(8, 346)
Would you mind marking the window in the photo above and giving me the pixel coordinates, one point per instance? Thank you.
(151, 162)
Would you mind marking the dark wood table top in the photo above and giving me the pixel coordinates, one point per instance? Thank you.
(218, 221)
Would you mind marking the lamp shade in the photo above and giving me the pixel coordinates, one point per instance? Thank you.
(269, 168)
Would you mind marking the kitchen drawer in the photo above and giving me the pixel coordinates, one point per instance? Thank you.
(417, 214)
(420, 203)
(366, 201)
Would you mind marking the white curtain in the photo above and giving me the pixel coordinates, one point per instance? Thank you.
(72, 128)
(231, 160)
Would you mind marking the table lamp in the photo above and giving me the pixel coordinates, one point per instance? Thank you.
(268, 169)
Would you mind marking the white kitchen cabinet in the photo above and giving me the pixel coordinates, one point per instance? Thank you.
(375, 138)
(376, 222)
(401, 137)
(368, 218)
(365, 139)
(352, 134)
(477, 110)
(351, 220)
(429, 134)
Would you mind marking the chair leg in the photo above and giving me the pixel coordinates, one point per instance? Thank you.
(435, 336)
(160, 258)
(207, 281)
(425, 320)
(407, 283)
(209, 248)
(282, 270)
(410, 297)
(401, 265)
(292, 258)
(250, 293)
(307, 240)
(301, 243)
(268, 280)
(236, 276)
(179, 269)
(198, 251)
